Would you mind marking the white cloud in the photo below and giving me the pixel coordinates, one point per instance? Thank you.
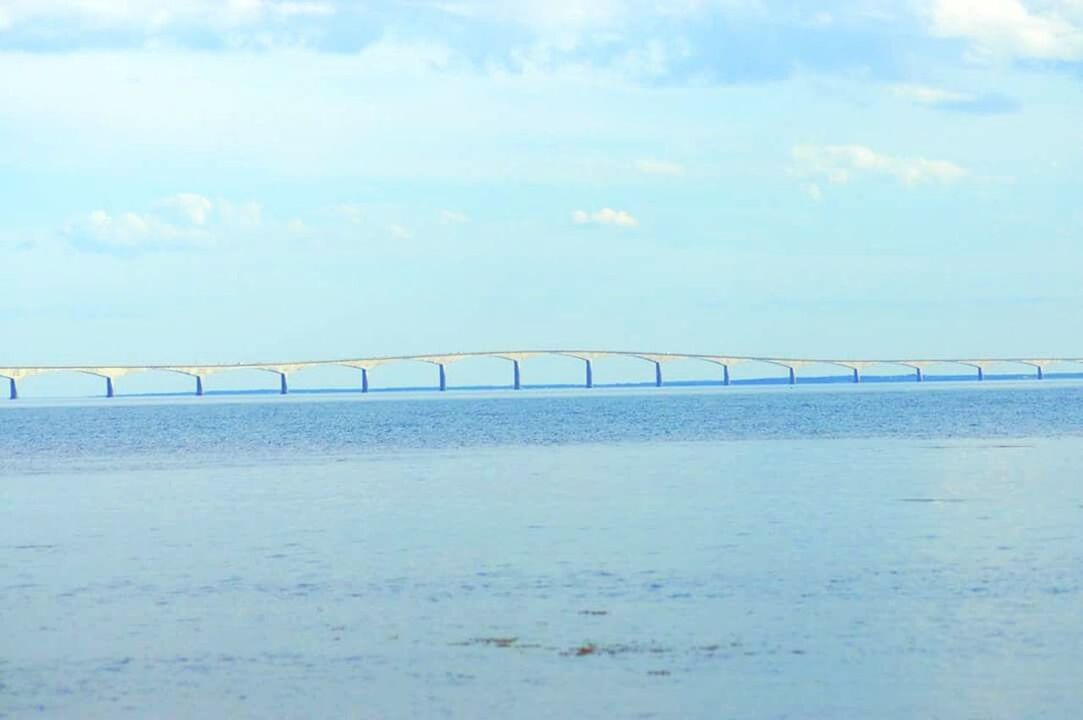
(131, 231)
(660, 167)
(297, 226)
(399, 232)
(842, 163)
(925, 95)
(195, 208)
(941, 99)
(1011, 28)
(605, 216)
(451, 217)
(184, 220)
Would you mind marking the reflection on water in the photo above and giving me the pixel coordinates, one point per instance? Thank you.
(830, 559)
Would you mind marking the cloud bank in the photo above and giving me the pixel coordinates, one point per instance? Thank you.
(839, 164)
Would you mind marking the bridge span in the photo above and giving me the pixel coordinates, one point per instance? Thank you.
(111, 373)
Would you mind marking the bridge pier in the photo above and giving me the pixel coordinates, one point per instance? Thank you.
(919, 374)
(793, 376)
(14, 389)
(1041, 373)
(443, 378)
(857, 375)
(199, 386)
(283, 384)
(364, 380)
(981, 373)
(109, 387)
(590, 374)
(658, 374)
(726, 375)
(515, 365)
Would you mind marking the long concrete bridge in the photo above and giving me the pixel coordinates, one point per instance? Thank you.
(516, 357)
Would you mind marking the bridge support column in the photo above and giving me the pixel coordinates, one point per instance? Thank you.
(14, 389)
(199, 385)
(857, 375)
(793, 376)
(515, 365)
(981, 373)
(1041, 374)
(283, 384)
(109, 387)
(658, 374)
(443, 378)
(726, 375)
(590, 374)
(364, 380)
(919, 374)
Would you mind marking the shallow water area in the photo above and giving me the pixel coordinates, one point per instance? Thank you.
(842, 553)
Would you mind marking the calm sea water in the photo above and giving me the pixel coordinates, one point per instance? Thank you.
(888, 552)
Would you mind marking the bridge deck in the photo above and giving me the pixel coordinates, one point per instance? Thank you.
(111, 372)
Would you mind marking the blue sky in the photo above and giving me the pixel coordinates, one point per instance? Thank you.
(239, 180)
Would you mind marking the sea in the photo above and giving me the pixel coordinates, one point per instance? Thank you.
(870, 551)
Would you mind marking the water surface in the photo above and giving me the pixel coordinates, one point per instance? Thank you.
(826, 553)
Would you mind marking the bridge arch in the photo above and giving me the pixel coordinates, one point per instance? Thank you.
(110, 375)
(726, 363)
(620, 368)
(544, 368)
(659, 360)
(14, 376)
(197, 373)
(307, 377)
(688, 369)
(928, 369)
(516, 359)
(57, 382)
(151, 380)
(244, 379)
(1044, 368)
(882, 369)
(403, 373)
(481, 370)
(792, 366)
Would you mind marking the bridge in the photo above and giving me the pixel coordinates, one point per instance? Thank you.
(110, 374)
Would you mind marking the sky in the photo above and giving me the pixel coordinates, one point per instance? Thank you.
(255, 180)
